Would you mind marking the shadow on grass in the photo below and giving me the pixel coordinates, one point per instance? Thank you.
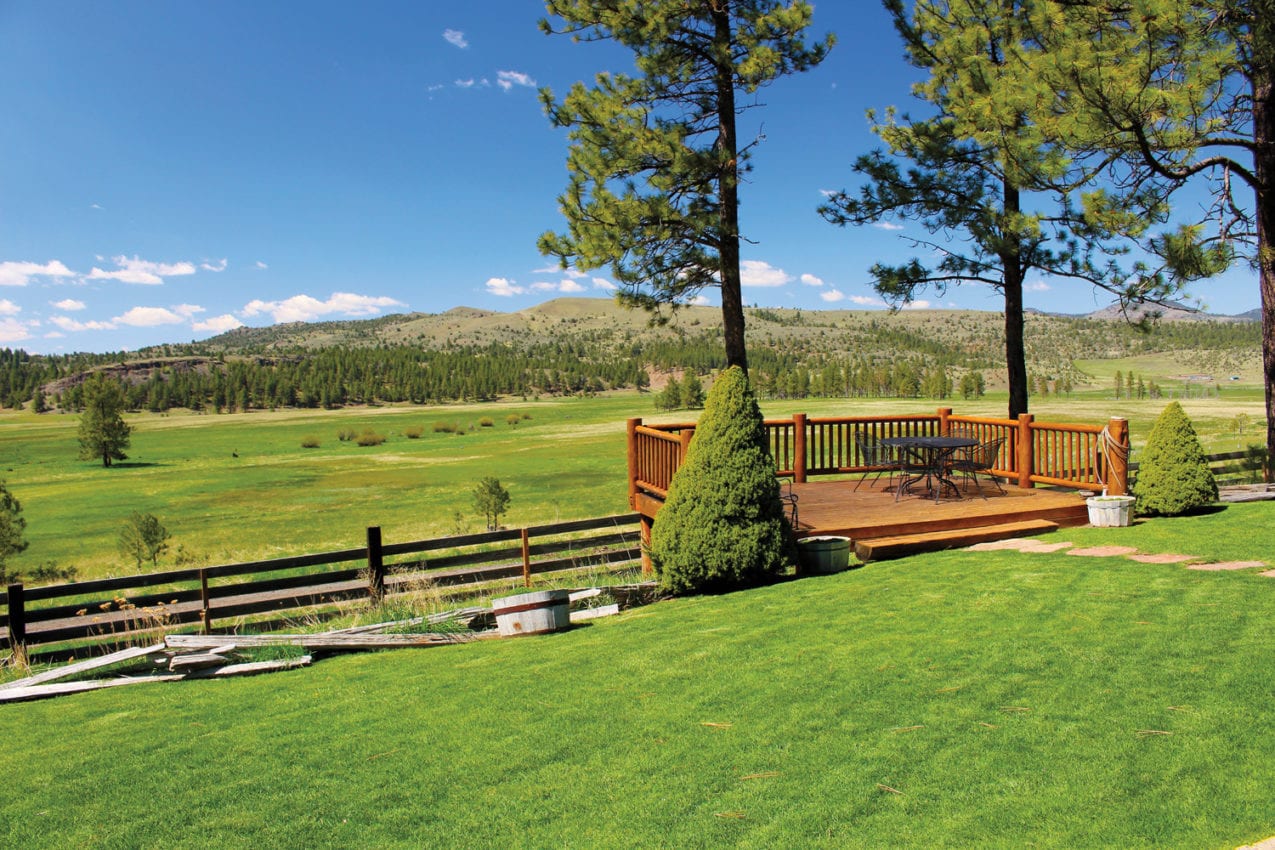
(129, 464)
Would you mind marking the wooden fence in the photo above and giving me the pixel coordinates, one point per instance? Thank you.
(81, 617)
(1092, 457)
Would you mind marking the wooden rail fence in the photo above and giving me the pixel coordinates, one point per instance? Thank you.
(63, 619)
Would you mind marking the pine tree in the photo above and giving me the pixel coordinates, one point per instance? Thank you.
(103, 432)
(1173, 472)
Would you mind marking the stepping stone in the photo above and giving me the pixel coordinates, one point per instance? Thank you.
(1163, 559)
(1228, 565)
(1267, 574)
(1103, 551)
(1019, 546)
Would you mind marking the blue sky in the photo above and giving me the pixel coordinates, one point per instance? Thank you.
(172, 170)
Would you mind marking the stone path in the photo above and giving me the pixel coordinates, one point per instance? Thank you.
(1191, 562)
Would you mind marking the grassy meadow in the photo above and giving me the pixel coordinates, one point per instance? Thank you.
(239, 487)
(955, 699)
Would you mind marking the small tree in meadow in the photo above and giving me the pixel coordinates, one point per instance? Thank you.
(1173, 473)
(723, 525)
(491, 500)
(143, 538)
(12, 527)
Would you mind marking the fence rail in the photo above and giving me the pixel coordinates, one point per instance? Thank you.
(105, 612)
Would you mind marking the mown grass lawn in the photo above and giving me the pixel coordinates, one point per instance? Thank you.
(956, 699)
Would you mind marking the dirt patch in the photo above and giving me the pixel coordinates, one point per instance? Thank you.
(1103, 551)
(1267, 574)
(1228, 565)
(1165, 558)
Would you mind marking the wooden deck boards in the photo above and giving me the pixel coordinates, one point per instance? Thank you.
(834, 507)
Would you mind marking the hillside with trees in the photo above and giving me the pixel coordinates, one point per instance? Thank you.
(583, 346)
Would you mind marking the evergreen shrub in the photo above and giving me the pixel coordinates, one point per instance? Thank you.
(370, 438)
(413, 432)
(723, 525)
(309, 442)
(1173, 472)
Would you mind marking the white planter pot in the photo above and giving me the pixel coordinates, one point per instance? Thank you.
(1110, 511)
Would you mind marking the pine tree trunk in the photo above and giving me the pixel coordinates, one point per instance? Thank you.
(1264, 169)
(1015, 350)
(728, 199)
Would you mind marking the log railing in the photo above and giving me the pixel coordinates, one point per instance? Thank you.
(1088, 457)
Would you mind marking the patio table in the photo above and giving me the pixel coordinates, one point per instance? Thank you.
(927, 459)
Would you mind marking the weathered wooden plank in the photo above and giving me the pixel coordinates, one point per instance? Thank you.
(250, 668)
(55, 689)
(328, 641)
(896, 547)
(213, 657)
(594, 613)
(84, 666)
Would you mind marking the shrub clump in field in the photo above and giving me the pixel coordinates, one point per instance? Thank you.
(370, 438)
(446, 428)
(512, 420)
(309, 442)
(413, 432)
(486, 422)
(1173, 474)
(346, 434)
(723, 525)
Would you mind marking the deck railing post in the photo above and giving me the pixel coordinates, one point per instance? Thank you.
(375, 563)
(17, 621)
(685, 436)
(799, 448)
(1026, 450)
(644, 543)
(944, 426)
(1117, 454)
(632, 425)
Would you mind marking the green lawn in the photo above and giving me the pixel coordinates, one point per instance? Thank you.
(956, 699)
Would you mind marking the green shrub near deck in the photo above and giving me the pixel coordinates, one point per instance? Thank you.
(1173, 474)
(723, 525)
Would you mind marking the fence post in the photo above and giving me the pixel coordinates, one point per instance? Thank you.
(945, 427)
(1117, 459)
(375, 563)
(526, 558)
(205, 601)
(17, 621)
(631, 426)
(799, 448)
(1026, 450)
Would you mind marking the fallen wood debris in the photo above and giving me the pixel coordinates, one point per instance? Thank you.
(324, 642)
(594, 613)
(84, 666)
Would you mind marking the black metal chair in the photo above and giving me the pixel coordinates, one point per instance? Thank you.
(878, 458)
(979, 459)
(789, 499)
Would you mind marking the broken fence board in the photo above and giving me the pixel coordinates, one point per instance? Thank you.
(594, 613)
(82, 666)
(61, 688)
(250, 668)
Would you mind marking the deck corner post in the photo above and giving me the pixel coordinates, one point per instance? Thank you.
(1118, 460)
(646, 523)
(375, 564)
(799, 448)
(1025, 458)
(945, 427)
(631, 426)
(17, 621)
(685, 435)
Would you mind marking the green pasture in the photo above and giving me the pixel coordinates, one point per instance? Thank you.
(240, 487)
(957, 699)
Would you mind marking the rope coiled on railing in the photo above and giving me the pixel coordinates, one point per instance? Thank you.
(1108, 445)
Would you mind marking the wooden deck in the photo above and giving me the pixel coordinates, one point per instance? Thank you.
(881, 527)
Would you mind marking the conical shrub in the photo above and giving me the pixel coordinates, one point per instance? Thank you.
(1173, 472)
(723, 525)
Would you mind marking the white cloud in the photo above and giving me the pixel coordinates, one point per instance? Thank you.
(866, 301)
(456, 38)
(218, 324)
(1038, 286)
(305, 308)
(188, 310)
(68, 304)
(70, 325)
(470, 83)
(503, 287)
(887, 225)
(136, 270)
(827, 193)
(566, 285)
(20, 274)
(603, 283)
(917, 305)
(700, 301)
(759, 273)
(211, 267)
(811, 280)
(149, 317)
(8, 308)
(832, 296)
(508, 79)
(261, 265)
(95, 206)
(11, 330)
